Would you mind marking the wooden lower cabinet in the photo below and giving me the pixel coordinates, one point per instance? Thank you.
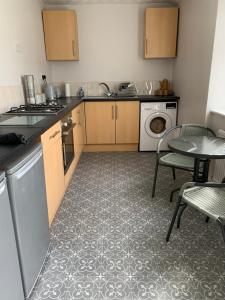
(79, 130)
(112, 123)
(53, 167)
(127, 122)
(78, 140)
(100, 122)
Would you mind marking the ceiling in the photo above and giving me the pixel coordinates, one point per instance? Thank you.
(69, 2)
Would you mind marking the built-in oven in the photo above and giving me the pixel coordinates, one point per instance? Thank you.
(67, 141)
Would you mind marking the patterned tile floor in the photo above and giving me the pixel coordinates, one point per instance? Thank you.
(108, 239)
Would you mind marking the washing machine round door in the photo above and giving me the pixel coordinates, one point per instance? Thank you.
(156, 124)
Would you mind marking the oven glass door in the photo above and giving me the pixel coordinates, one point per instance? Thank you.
(68, 148)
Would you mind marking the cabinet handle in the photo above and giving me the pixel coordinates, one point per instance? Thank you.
(113, 112)
(116, 112)
(146, 46)
(54, 134)
(73, 47)
(79, 122)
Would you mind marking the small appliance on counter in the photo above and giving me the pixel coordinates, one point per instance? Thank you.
(29, 89)
(48, 89)
(127, 89)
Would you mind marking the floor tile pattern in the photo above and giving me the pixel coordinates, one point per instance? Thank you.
(108, 238)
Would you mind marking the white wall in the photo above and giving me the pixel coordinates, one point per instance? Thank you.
(111, 47)
(192, 67)
(216, 97)
(21, 23)
(21, 27)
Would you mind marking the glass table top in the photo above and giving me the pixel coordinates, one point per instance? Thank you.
(21, 120)
(199, 146)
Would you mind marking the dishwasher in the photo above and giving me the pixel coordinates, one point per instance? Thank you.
(10, 276)
(27, 195)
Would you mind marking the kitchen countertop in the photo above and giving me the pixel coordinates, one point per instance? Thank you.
(8, 153)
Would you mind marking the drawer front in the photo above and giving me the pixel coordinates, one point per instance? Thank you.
(51, 135)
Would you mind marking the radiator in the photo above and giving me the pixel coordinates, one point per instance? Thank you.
(218, 166)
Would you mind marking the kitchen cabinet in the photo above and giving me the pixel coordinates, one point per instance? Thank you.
(112, 122)
(100, 122)
(60, 32)
(127, 122)
(54, 170)
(161, 32)
(78, 131)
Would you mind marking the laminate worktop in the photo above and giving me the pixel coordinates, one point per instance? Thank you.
(9, 153)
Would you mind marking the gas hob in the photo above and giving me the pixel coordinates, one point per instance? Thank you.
(36, 109)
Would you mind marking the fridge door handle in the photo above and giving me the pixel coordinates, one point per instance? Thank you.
(2, 185)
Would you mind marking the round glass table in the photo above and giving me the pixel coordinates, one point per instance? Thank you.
(202, 149)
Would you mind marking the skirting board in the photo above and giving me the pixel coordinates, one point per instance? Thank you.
(111, 148)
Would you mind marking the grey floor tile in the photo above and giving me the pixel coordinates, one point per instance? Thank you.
(108, 238)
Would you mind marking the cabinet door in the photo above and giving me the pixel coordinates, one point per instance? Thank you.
(82, 126)
(100, 122)
(77, 132)
(54, 176)
(127, 122)
(161, 32)
(61, 38)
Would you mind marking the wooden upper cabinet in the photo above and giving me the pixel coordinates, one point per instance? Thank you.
(161, 32)
(61, 37)
(127, 122)
(100, 122)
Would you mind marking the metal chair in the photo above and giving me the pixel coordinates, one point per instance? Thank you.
(175, 160)
(208, 198)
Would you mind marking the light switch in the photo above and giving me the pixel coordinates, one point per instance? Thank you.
(18, 47)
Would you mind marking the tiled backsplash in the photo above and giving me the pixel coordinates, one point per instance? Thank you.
(94, 89)
(10, 96)
(13, 95)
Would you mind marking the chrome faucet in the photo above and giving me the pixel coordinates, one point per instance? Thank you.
(108, 93)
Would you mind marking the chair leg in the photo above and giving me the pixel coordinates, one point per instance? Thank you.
(173, 218)
(155, 178)
(172, 193)
(222, 226)
(174, 174)
(180, 214)
(207, 219)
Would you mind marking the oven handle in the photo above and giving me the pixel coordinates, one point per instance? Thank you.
(67, 132)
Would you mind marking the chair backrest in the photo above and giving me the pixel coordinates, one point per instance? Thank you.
(195, 130)
(170, 133)
(185, 130)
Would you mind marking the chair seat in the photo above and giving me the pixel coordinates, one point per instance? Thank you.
(209, 200)
(178, 161)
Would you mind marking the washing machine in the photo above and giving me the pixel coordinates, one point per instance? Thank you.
(156, 118)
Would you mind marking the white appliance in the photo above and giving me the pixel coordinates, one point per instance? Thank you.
(156, 118)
